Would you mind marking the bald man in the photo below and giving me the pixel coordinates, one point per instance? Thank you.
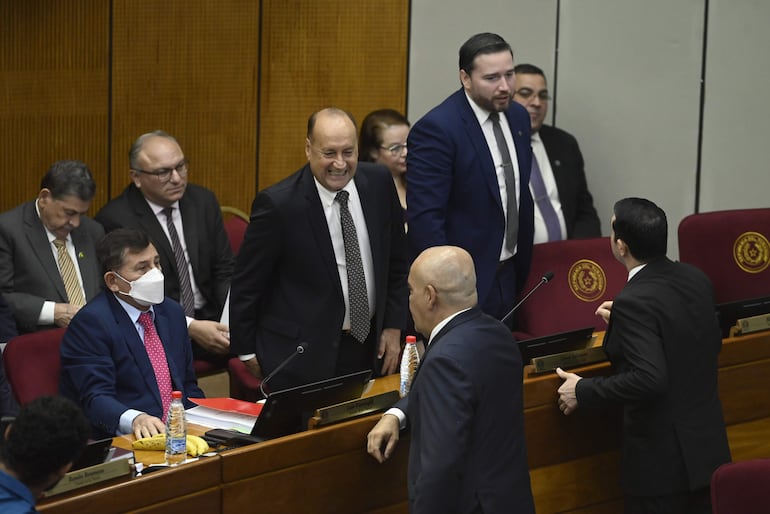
(464, 410)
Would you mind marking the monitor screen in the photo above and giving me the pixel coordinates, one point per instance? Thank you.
(556, 343)
(288, 411)
(729, 313)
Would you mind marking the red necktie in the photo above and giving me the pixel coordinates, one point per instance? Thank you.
(157, 356)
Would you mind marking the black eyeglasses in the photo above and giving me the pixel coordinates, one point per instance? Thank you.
(164, 174)
(527, 93)
(395, 150)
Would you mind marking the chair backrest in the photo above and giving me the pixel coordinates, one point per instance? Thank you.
(732, 248)
(585, 274)
(235, 225)
(32, 364)
(741, 487)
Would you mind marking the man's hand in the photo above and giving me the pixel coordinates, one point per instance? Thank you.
(567, 396)
(254, 368)
(145, 425)
(604, 311)
(384, 434)
(63, 313)
(388, 350)
(210, 335)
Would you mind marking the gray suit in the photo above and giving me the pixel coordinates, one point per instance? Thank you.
(29, 274)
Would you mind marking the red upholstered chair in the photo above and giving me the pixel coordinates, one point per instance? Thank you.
(243, 385)
(33, 365)
(235, 226)
(741, 487)
(732, 248)
(585, 274)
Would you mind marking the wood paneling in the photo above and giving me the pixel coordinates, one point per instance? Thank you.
(319, 53)
(189, 68)
(54, 59)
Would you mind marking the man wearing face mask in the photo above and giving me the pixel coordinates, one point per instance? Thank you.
(127, 349)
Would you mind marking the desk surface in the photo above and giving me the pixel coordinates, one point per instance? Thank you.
(328, 469)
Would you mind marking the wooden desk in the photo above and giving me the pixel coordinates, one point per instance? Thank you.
(574, 460)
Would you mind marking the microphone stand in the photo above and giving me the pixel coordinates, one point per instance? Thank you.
(544, 279)
(300, 350)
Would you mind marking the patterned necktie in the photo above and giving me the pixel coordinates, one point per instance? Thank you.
(157, 356)
(185, 288)
(357, 295)
(68, 274)
(512, 217)
(543, 202)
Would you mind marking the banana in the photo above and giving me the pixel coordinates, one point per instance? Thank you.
(195, 444)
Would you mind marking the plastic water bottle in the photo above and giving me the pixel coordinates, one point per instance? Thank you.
(410, 359)
(176, 431)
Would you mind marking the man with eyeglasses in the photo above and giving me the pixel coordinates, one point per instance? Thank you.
(48, 266)
(323, 262)
(185, 224)
(469, 162)
(564, 208)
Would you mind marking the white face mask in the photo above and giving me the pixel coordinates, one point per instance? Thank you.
(146, 290)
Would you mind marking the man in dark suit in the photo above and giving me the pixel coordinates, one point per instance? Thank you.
(195, 253)
(564, 208)
(126, 350)
(663, 340)
(467, 174)
(299, 277)
(464, 410)
(8, 405)
(33, 268)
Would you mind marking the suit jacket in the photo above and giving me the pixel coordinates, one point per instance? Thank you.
(453, 197)
(577, 204)
(286, 288)
(29, 274)
(105, 368)
(663, 340)
(208, 248)
(466, 419)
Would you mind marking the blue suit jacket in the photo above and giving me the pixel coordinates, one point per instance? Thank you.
(466, 419)
(452, 192)
(105, 367)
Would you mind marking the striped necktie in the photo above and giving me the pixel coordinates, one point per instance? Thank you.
(68, 274)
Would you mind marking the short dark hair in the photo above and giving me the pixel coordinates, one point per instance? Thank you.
(48, 433)
(69, 178)
(484, 43)
(643, 227)
(111, 249)
(373, 126)
(528, 69)
(329, 110)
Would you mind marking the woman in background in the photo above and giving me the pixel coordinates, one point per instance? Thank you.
(383, 140)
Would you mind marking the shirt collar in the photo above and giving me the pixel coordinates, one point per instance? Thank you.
(443, 323)
(481, 114)
(636, 269)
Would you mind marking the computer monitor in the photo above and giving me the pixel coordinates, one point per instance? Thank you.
(556, 343)
(729, 313)
(288, 411)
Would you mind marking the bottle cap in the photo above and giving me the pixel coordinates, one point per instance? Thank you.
(176, 395)
(411, 339)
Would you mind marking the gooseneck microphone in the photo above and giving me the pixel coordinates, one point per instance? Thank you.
(544, 279)
(301, 347)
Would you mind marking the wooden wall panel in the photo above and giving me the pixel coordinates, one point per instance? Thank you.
(317, 53)
(190, 68)
(54, 59)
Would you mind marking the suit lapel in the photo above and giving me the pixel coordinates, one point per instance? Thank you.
(319, 228)
(38, 241)
(86, 259)
(163, 326)
(135, 347)
(485, 161)
(523, 142)
(150, 224)
(370, 205)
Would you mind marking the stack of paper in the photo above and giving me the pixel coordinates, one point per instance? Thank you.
(225, 413)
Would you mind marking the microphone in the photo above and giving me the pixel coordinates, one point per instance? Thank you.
(544, 279)
(301, 347)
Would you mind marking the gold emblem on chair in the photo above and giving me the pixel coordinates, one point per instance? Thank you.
(751, 252)
(587, 280)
